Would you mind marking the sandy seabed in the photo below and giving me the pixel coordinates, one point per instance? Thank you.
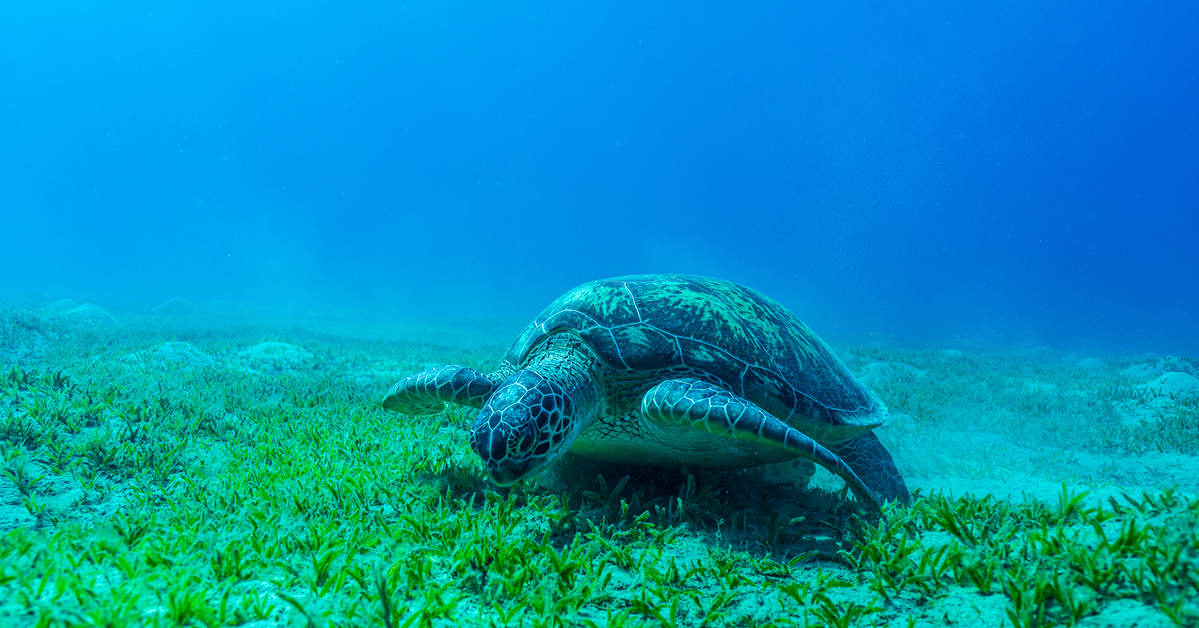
(208, 466)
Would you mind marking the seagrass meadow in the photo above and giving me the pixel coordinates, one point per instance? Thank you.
(192, 468)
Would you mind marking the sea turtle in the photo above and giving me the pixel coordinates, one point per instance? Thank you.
(666, 370)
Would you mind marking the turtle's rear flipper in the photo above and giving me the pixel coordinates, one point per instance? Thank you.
(867, 456)
(427, 392)
(709, 407)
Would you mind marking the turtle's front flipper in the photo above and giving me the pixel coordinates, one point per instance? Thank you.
(708, 407)
(427, 392)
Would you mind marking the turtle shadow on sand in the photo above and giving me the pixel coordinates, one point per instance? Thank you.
(771, 509)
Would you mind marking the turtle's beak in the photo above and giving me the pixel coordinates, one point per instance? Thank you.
(508, 472)
(491, 443)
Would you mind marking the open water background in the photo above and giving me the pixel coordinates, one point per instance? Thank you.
(986, 174)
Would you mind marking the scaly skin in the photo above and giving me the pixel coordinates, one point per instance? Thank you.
(427, 392)
(707, 407)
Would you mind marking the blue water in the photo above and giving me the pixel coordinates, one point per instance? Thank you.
(989, 173)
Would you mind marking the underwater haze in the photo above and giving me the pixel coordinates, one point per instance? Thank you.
(985, 174)
(261, 261)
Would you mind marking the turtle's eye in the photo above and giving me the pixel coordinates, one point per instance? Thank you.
(528, 438)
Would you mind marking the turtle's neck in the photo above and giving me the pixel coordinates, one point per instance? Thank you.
(568, 361)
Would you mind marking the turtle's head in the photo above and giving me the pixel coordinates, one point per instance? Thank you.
(527, 423)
